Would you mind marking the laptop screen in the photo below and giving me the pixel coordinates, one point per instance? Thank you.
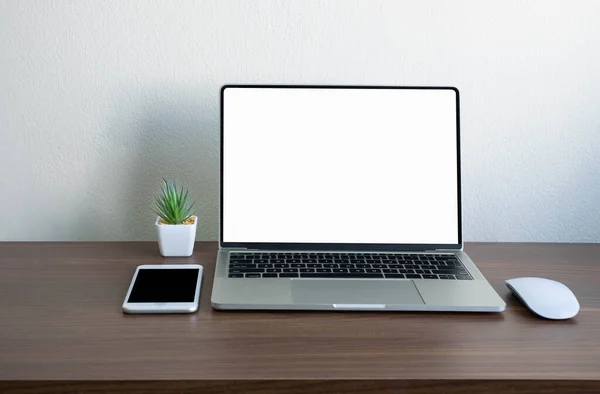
(340, 165)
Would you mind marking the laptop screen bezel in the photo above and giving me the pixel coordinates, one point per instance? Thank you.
(338, 246)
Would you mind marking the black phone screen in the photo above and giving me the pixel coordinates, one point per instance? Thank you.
(164, 285)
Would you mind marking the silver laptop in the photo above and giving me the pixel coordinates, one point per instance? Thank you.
(343, 198)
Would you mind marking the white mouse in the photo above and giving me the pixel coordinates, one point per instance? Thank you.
(544, 297)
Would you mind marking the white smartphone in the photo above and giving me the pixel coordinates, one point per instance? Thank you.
(164, 288)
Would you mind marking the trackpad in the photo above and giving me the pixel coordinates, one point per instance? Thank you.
(328, 292)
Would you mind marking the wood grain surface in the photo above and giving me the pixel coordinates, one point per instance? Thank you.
(62, 329)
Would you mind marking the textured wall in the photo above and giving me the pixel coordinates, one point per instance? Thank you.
(100, 99)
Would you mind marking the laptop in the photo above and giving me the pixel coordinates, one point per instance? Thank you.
(343, 198)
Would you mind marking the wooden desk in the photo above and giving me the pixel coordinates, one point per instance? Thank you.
(62, 329)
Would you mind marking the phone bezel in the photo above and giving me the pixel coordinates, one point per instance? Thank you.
(164, 307)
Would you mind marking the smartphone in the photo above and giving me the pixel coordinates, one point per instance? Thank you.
(164, 288)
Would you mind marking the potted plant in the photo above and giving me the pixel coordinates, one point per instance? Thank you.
(175, 224)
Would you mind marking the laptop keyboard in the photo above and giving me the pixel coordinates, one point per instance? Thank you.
(346, 265)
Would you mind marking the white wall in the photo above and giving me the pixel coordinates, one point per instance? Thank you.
(100, 99)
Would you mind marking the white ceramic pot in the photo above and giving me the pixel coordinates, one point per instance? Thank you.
(176, 239)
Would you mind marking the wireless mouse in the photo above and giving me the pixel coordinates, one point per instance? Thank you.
(544, 297)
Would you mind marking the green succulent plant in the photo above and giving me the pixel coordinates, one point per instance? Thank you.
(173, 206)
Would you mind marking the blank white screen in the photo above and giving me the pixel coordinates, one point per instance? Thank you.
(313, 165)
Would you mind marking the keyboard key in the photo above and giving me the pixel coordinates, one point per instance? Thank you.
(339, 275)
(449, 272)
(356, 271)
(273, 275)
(298, 265)
(242, 266)
(405, 271)
(307, 270)
(446, 276)
(463, 277)
(245, 270)
(395, 276)
(290, 270)
(429, 276)
(390, 271)
(289, 275)
(323, 269)
(274, 269)
(253, 276)
(413, 276)
(340, 270)
(236, 275)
